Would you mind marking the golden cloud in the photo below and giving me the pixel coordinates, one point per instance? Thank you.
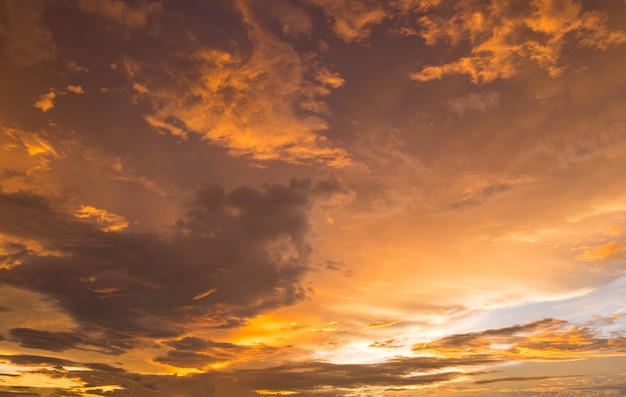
(45, 101)
(610, 250)
(352, 19)
(76, 89)
(504, 36)
(266, 106)
(122, 13)
(543, 340)
(110, 222)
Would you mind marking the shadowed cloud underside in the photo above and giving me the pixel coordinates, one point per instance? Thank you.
(312, 198)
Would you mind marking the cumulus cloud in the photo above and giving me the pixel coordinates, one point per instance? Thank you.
(248, 244)
(76, 89)
(45, 101)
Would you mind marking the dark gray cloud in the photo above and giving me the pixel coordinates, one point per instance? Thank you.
(191, 352)
(233, 255)
(108, 343)
(53, 341)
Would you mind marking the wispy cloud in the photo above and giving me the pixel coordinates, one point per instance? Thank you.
(542, 340)
(110, 222)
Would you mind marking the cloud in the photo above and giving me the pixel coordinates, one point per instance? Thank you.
(27, 38)
(543, 340)
(76, 68)
(615, 250)
(329, 78)
(266, 105)
(248, 244)
(108, 343)
(76, 89)
(112, 222)
(523, 378)
(352, 19)
(304, 378)
(122, 173)
(35, 144)
(193, 352)
(45, 102)
(125, 14)
(504, 36)
(477, 101)
(294, 20)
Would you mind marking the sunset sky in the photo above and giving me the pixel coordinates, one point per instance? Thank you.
(315, 198)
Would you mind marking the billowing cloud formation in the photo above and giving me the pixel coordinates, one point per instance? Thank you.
(249, 245)
(506, 35)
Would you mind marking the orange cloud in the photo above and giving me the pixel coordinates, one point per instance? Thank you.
(111, 222)
(253, 106)
(501, 44)
(122, 12)
(352, 19)
(610, 250)
(76, 89)
(76, 68)
(39, 151)
(543, 340)
(27, 38)
(45, 102)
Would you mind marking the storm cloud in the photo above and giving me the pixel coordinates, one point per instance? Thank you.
(233, 255)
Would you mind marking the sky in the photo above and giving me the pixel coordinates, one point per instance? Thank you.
(312, 198)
